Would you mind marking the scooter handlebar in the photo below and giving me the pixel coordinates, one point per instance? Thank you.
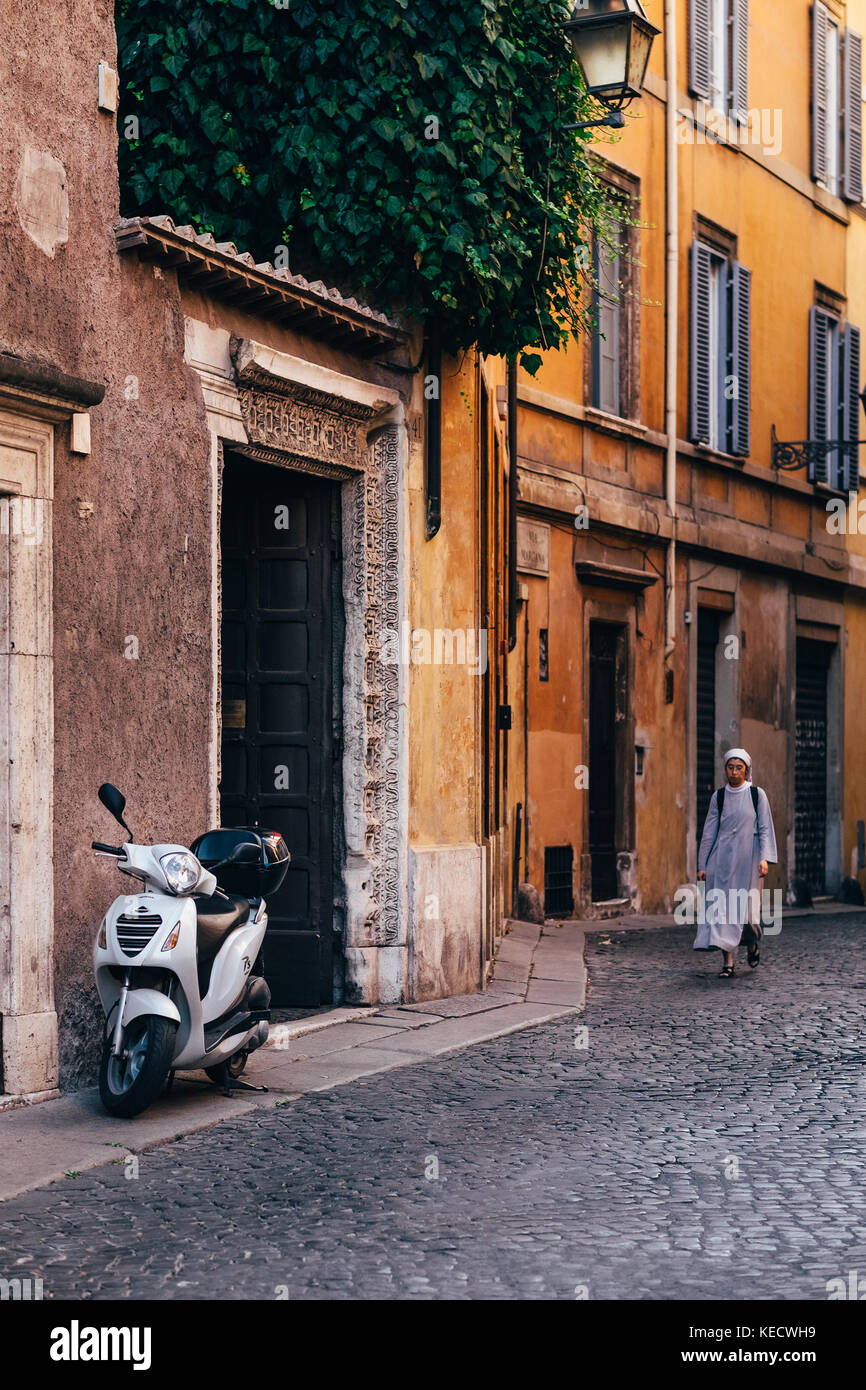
(106, 849)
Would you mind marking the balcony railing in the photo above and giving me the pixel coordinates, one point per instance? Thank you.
(813, 454)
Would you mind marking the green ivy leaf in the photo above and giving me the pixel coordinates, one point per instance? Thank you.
(213, 123)
(384, 127)
(172, 180)
(224, 161)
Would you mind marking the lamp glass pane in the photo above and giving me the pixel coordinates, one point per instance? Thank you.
(638, 57)
(602, 54)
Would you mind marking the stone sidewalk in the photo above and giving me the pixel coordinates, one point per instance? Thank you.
(692, 1139)
(539, 975)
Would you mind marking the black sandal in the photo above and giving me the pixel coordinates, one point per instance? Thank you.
(754, 956)
(726, 972)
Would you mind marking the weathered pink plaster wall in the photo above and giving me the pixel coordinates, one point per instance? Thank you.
(131, 520)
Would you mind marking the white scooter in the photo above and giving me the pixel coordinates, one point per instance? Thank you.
(178, 965)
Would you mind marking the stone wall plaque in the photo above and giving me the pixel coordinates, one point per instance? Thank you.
(533, 546)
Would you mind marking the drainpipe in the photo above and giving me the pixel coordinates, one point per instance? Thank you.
(433, 476)
(671, 318)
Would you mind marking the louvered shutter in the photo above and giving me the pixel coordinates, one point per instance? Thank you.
(851, 387)
(820, 20)
(740, 34)
(819, 386)
(606, 344)
(740, 354)
(852, 183)
(699, 48)
(700, 345)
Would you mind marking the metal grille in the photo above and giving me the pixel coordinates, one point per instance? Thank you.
(810, 765)
(133, 933)
(708, 637)
(558, 884)
(606, 706)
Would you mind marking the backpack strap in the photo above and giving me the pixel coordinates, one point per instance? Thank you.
(720, 799)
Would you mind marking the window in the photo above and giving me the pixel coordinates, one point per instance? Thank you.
(837, 107)
(719, 55)
(543, 665)
(612, 359)
(720, 350)
(834, 403)
(606, 359)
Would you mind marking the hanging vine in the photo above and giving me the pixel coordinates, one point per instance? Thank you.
(407, 149)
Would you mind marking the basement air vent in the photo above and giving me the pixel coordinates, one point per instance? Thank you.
(558, 886)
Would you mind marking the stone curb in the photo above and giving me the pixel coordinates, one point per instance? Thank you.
(281, 1033)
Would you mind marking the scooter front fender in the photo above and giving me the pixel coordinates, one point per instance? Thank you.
(149, 1001)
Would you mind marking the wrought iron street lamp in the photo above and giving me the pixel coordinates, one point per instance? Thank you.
(612, 41)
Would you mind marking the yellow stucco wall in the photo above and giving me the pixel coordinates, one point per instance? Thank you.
(792, 236)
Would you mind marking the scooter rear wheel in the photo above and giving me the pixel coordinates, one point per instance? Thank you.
(236, 1065)
(130, 1083)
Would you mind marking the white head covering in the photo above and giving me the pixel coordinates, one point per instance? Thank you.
(743, 756)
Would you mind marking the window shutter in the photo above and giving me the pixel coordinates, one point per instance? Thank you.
(741, 61)
(740, 358)
(851, 387)
(820, 20)
(606, 355)
(699, 48)
(819, 387)
(852, 67)
(700, 346)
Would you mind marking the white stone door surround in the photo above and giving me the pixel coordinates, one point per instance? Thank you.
(297, 414)
(29, 1021)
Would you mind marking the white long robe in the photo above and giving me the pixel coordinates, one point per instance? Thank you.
(731, 854)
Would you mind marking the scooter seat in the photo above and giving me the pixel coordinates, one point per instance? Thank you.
(218, 915)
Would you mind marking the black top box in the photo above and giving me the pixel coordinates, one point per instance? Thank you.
(260, 880)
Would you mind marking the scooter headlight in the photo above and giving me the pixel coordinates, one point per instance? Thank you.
(182, 871)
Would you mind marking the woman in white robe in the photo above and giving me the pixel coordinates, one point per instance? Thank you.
(734, 857)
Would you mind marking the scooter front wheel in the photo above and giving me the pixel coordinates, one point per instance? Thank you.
(129, 1083)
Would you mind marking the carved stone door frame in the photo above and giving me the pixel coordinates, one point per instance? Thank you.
(296, 414)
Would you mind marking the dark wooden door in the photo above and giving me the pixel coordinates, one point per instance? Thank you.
(277, 768)
(810, 763)
(603, 771)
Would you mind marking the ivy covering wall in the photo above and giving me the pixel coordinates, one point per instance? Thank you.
(412, 149)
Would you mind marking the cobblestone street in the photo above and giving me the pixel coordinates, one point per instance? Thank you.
(703, 1139)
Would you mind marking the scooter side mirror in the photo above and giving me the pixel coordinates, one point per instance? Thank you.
(115, 802)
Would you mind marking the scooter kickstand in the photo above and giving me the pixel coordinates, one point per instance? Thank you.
(233, 1083)
(170, 1082)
